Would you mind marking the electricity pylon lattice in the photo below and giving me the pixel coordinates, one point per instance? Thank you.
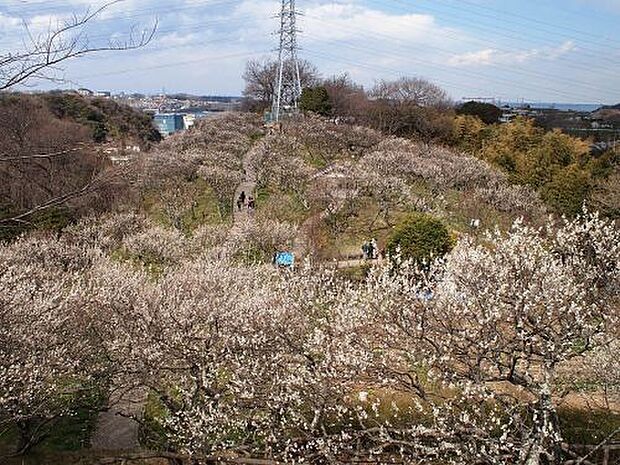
(288, 82)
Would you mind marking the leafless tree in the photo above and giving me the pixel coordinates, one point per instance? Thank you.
(260, 80)
(412, 91)
(347, 98)
(45, 161)
(411, 107)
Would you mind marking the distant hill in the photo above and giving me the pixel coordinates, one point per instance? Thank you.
(108, 120)
(609, 113)
(205, 98)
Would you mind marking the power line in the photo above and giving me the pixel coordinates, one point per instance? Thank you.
(168, 65)
(402, 58)
(153, 13)
(598, 68)
(501, 32)
(407, 57)
(64, 7)
(163, 47)
(531, 20)
(189, 27)
(227, 2)
(450, 53)
(383, 69)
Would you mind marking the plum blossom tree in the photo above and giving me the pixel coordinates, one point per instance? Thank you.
(257, 241)
(224, 183)
(336, 193)
(278, 165)
(48, 367)
(444, 169)
(305, 368)
(209, 151)
(500, 322)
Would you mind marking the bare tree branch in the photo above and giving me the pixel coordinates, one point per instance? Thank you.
(40, 58)
(4, 158)
(60, 44)
(22, 218)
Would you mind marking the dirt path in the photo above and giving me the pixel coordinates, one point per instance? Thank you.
(116, 428)
(248, 185)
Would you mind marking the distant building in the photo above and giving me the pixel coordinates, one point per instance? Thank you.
(103, 93)
(168, 123)
(85, 92)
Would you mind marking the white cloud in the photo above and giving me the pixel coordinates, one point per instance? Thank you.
(8, 22)
(481, 57)
(202, 46)
(347, 21)
(491, 56)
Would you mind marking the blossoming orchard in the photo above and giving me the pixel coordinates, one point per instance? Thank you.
(482, 355)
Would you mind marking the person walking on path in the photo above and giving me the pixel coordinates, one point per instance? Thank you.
(251, 203)
(374, 249)
(241, 201)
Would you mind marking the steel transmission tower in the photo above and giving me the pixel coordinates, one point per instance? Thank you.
(288, 82)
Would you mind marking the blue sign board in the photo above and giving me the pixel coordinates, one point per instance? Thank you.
(285, 259)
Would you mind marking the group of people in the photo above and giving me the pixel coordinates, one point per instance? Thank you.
(241, 202)
(370, 250)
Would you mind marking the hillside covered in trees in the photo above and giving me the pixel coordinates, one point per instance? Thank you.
(487, 334)
(55, 157)
(566, 171)
(383, 277)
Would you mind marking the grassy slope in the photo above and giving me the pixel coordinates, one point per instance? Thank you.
(203, 212)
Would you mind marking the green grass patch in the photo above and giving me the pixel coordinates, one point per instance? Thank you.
(356, 274)
(256, 136)
(272, 204)
(587, 427)
(315, 159)
(152, 433)
(201, 207)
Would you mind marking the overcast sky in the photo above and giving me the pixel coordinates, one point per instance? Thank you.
(537, 50)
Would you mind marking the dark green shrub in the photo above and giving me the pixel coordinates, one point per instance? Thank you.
(420, 237)
(487, 112)
(315, 100)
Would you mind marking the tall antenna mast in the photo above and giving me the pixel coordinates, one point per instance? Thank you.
(288, 82)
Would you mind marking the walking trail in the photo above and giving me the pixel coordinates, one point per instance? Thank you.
(118, 427)
(248, 185)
